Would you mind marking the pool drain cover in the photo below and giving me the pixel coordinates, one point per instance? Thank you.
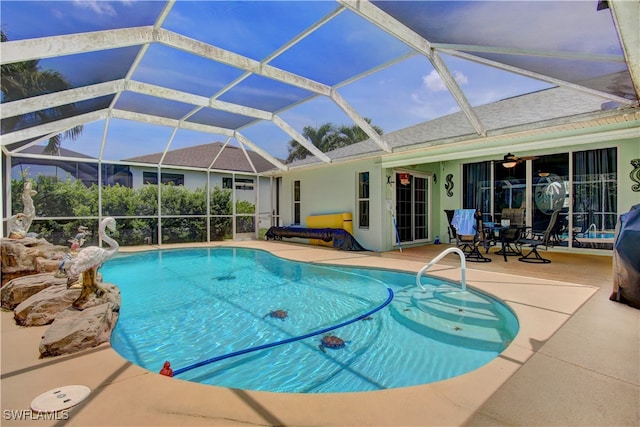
(60, 398)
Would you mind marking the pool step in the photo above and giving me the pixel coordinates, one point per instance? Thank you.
(453, 316)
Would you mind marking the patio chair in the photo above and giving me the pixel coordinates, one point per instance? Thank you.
(469, 234)
(539, 238)
(513, 234)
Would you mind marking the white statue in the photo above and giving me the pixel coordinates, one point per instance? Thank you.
(15, 226)
(79, 239)
(18, 224)
(91, 258)
(28, 209)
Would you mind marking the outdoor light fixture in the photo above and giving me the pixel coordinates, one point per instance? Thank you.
(543, 171)
(509, 161)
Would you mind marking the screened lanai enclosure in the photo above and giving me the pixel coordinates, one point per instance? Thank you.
(181, 118)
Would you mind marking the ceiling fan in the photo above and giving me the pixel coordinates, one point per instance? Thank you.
(510, 160)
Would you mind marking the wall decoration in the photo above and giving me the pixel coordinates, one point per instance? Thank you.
(449, 185)
(549, 194)
(635, 174)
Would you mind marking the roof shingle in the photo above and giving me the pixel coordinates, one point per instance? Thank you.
(201, 156)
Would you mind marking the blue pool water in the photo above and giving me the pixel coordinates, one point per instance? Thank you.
(186, 306)
(600, 235)
(593, 235)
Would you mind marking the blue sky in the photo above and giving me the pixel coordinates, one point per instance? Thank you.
(404, 94)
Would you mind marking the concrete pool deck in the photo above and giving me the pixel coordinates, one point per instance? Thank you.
(575, 361)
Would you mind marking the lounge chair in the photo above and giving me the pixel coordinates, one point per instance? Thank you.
(534, 239)
(469, 234)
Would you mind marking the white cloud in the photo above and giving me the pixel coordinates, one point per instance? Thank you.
(460, 78)
(434, 83)
(99, 7)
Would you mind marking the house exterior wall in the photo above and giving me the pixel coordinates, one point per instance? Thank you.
(192, 179)
(196, 179)
(264, 206)
(334, 189)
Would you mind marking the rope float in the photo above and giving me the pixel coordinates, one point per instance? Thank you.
(167, 366)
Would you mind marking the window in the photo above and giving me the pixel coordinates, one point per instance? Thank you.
(587, 198)
(244, 183)
(116, 175)
(167, 178)
(476, 178)
(412, 206)
(241, 183)
(296, 202)
(420, 208)
(363, 200)
(595, 190)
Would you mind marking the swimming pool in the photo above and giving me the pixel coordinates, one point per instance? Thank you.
(187, 306)
(599, 235)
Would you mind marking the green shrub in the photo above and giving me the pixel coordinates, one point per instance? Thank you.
(70, 198)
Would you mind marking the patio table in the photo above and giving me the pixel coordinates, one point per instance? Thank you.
(490, 230)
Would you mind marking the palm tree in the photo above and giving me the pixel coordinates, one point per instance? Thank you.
(321, 137)
(328, 137)
(26, 79)
(352, 134)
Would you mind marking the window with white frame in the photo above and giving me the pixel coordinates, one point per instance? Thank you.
(296, 202)
(363, 200)
(167, 178)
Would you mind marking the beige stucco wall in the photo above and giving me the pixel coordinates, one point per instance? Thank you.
(334, 189)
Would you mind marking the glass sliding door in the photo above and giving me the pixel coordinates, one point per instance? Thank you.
(403, 207)
(595, 198)
(510, 186)
(412, 207)
(420, 209)
(551, 191)
(582, 185)
(477, 183)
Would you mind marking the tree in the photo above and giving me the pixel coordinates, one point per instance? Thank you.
(26, 79)
(351, 134)
(328, 137)
(320, 137)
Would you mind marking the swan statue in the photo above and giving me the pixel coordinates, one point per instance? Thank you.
(91, 258)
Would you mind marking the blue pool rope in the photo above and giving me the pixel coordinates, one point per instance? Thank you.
(285, 341)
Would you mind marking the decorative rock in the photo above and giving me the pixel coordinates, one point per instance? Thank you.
(23, 257)
(48, 265)
(21, 288)
(108, 293)
(74, 330)
(42, 308)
